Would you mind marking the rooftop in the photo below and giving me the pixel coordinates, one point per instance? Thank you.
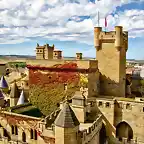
(3, 82)
(26, 109)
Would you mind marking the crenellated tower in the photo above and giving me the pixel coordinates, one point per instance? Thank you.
(111, 50)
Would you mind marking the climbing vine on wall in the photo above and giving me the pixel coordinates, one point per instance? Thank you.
(47, 85)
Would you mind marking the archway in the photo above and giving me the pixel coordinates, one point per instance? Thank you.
(23, 137)
(102, 135)
(123, 129)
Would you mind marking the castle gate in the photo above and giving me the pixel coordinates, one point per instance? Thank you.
(123, 129)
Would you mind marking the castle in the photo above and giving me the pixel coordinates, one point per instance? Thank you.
(99, 112)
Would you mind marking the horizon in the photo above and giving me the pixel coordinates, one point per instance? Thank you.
(70, 28)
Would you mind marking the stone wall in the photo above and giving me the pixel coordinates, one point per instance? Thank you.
(124, 110)
(91, 135)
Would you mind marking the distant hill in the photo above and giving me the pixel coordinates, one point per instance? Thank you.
(33, 57)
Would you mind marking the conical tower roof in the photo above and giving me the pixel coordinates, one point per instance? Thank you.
(66, 118)
(3, 83)
(14, 91)
(21, 99)
(1, 95)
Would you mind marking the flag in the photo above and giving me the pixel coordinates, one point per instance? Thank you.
(105, 22)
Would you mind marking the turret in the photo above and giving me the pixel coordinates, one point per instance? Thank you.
(57, 54)
(48, 52)
(97, 41)
(78, 56)
(118, 37)
(79, 106)
(37, 45)
(14, 94)
(66, 126)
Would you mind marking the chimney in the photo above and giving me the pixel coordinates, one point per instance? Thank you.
(78, 56)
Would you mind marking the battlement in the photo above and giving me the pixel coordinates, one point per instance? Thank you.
(124, 103)
(119, 37)
(88, 134)
(51, 118)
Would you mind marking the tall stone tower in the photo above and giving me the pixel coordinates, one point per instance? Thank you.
(66, 126)
(111, 50)
(48, 51)
(44, 52)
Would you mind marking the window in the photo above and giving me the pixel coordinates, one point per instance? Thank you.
(16, 130)
(23, 137)
(31, 133)
(107, 104)
(12, 129)
(35, 134)
(143, 109)
(128, 106)
(100, 104)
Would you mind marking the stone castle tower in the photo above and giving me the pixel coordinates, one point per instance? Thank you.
(44, 52)
(66, 126)
(111, 50)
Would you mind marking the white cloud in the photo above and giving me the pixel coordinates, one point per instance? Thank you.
(28, 19)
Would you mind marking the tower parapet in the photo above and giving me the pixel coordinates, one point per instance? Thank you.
(119, 37)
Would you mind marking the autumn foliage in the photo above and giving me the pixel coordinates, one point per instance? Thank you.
(47, 87)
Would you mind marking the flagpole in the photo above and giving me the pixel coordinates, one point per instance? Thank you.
(98, 18)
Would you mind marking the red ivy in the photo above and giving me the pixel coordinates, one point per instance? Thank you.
(37, 77)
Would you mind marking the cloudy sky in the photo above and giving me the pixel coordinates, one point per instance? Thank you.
(68, 24)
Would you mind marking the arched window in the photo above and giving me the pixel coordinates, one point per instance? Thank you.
(23, 137)
(35, 134)
(16, 130)
(31, 133)
(12, 129)
(5, 134)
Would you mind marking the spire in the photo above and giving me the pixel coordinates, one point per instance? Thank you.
(1, 95)
(37, 45)
(21, 99)
(14, 91)
(66, 117)
(3, 83)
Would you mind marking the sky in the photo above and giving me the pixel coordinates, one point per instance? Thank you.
(68, 24)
